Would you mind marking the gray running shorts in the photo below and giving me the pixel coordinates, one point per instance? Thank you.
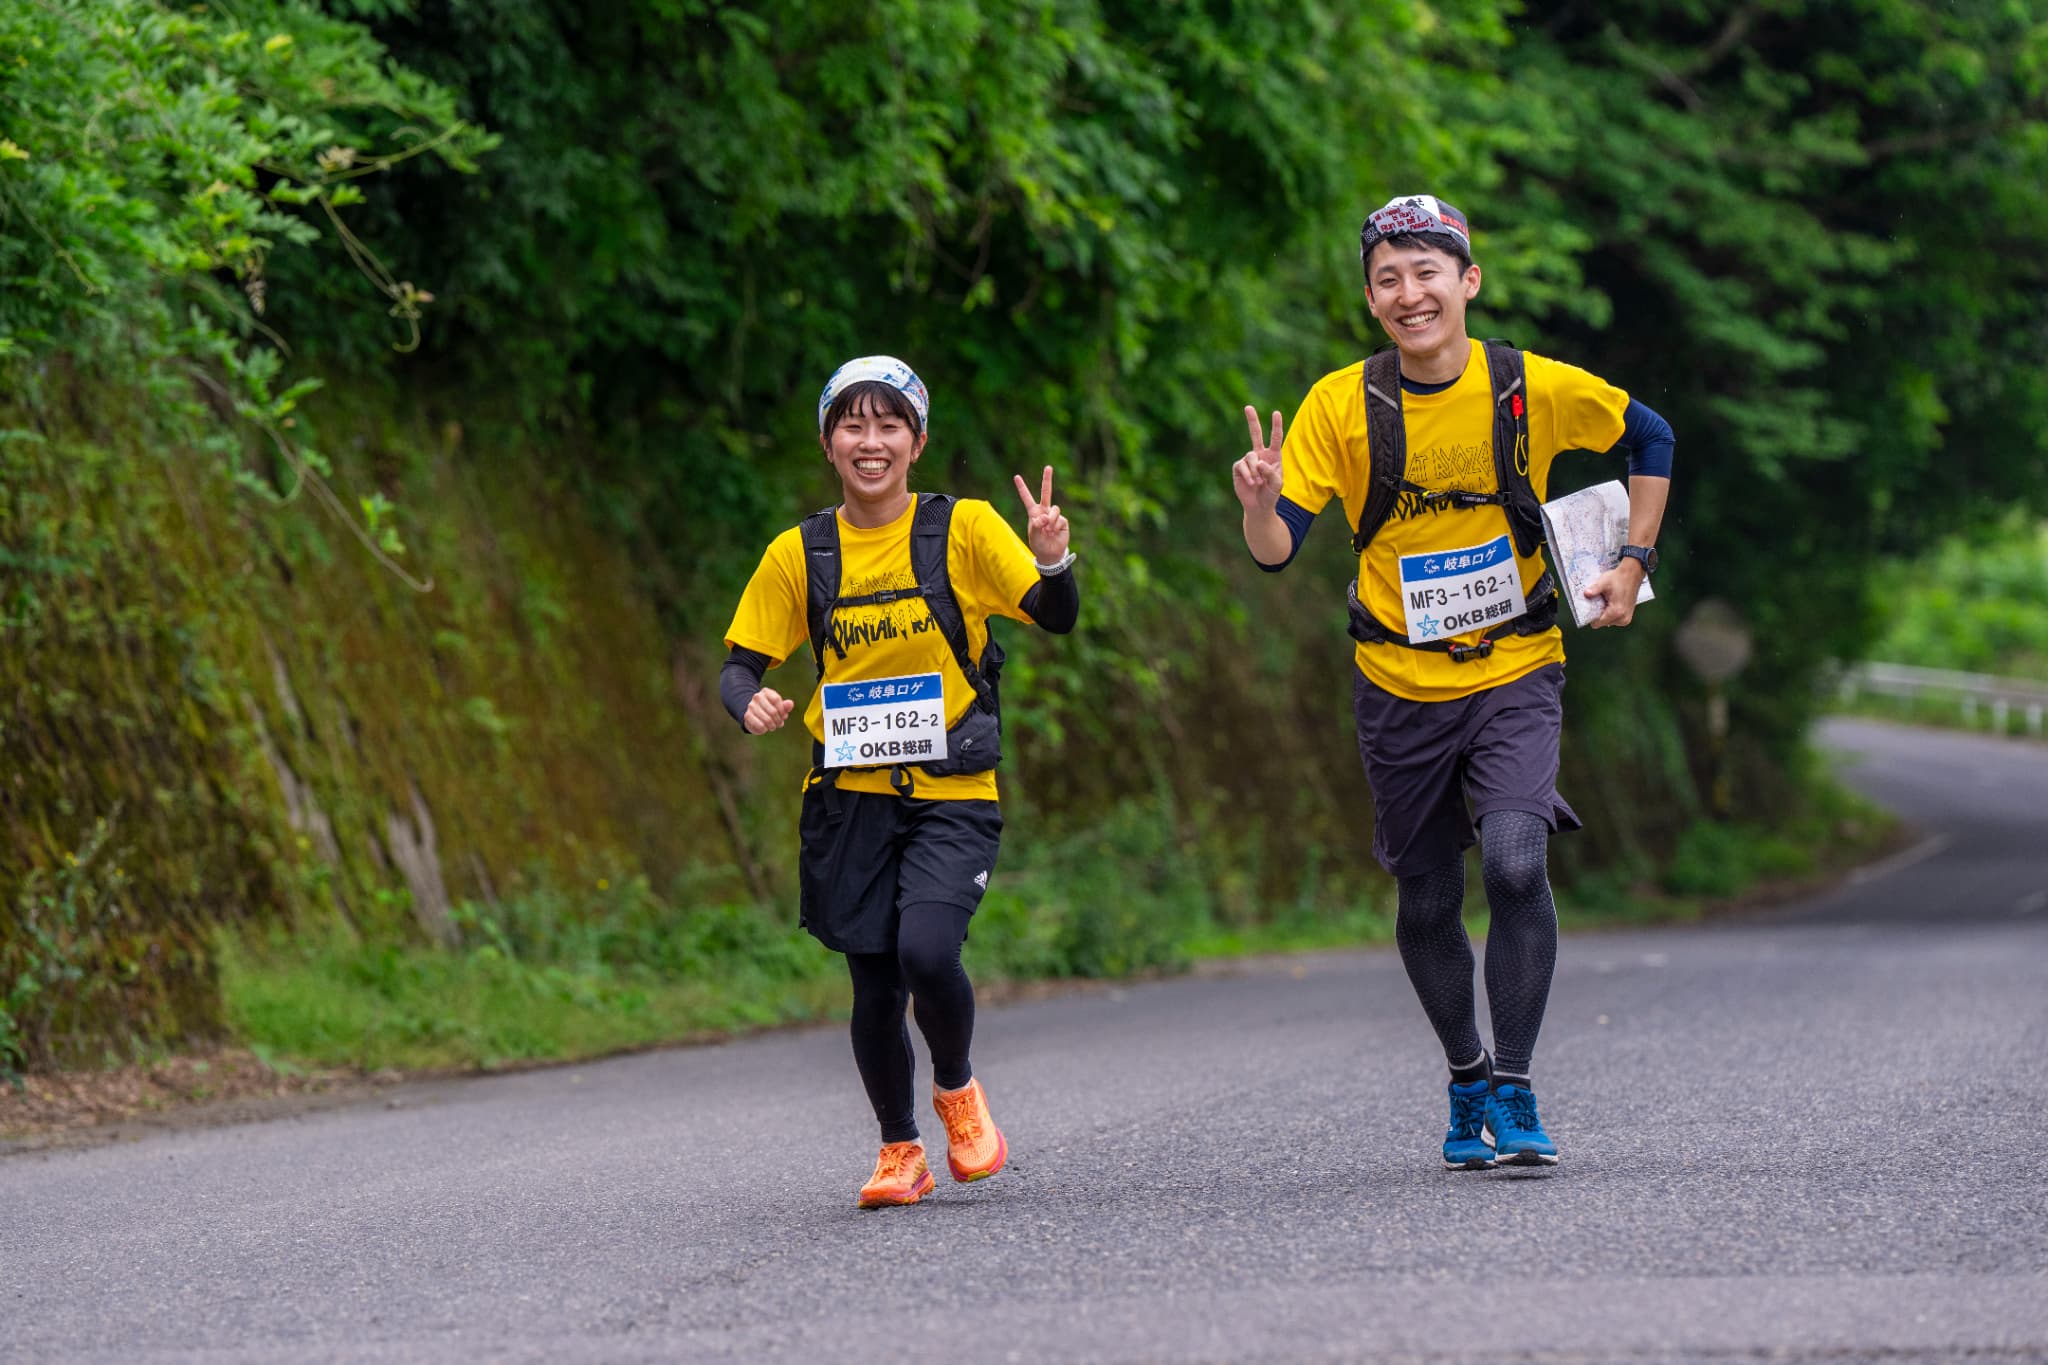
(1426, 760)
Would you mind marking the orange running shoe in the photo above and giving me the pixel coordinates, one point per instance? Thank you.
(975, 1149)
(901, 1176)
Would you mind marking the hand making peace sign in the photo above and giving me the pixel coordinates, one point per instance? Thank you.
(1256, 477)
(1045, 529)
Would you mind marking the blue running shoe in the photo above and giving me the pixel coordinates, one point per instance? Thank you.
(1465, 1145)
(1518, 1136)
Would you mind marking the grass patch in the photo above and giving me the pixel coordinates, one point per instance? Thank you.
(530, 984)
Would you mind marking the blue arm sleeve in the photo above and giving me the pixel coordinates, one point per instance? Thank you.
(1298, 521)
(1647, 439)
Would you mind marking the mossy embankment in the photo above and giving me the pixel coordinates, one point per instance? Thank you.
(224, 715)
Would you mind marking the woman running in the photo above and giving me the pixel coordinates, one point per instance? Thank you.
(899, 826)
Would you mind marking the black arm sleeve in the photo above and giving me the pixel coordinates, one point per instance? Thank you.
(739, 680)
(1055, 602)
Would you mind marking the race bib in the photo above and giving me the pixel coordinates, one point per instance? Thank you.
(1451, 592)
(885, 720)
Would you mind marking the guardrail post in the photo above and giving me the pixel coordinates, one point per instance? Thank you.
(2034, 719)
(2001, 712)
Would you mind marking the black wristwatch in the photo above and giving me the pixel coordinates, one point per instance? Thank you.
(1646, 555)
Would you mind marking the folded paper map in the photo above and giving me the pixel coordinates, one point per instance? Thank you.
(1587, 530)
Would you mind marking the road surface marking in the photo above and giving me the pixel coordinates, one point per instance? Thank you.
(1899, 862)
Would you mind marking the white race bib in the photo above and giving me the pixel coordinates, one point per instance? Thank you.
(1452, 592)
(885, 720)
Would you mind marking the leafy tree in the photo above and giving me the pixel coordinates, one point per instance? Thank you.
(1812, 239)
(154, 162)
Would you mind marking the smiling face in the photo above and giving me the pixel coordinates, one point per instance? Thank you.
(872, 439)
(1418, 290)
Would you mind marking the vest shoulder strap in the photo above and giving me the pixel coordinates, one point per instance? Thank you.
(820, 532)
(1386, 437)
(1511, 445)
(931, 538)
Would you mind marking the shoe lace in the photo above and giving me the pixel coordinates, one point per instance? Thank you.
(1468, 1115)
(962, 1116)
(897, 1160)
(1520, 1106)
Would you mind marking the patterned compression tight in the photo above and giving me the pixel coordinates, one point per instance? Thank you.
(1521, 944)
(925, 967)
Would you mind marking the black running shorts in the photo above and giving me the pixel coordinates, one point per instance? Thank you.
(1424, 760)
(865, 855)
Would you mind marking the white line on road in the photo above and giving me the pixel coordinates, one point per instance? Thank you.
(1899, 862)
(2029, 904)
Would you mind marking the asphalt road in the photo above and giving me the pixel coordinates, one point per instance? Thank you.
(1814, 1135)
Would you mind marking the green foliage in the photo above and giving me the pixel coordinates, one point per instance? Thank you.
(63, 954)
(1828, 828)
(1720, 860)
(156, 161)
(1126, 896)
(1977, 603)
(1089, 226)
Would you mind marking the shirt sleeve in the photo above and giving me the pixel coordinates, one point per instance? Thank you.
(1586, 412)
(1000, 566)
(770, 617)
(1312, 454)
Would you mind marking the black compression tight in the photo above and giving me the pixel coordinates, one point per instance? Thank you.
(1521, 943)
(926, 968)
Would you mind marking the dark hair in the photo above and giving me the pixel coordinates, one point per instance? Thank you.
(880, 397)
(1429, 242)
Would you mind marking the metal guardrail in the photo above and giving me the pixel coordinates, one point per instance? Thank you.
(1971, 691)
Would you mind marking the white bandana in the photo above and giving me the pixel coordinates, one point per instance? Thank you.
(886, 368)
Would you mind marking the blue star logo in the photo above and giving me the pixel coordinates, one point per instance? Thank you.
(1428, 625)
(844, 753)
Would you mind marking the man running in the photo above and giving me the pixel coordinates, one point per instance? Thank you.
(1440, 451)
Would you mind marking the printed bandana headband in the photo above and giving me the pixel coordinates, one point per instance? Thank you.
(886, 368)
(1424, 214)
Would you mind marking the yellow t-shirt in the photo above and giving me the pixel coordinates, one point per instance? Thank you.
(1450, 446)
(991, 569)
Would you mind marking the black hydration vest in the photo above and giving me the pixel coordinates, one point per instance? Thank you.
(1387, 440)
(975, 743)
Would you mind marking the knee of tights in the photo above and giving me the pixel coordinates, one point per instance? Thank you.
(1437, 894)
(1516, 881)
(869, 1006)
(924, 963)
